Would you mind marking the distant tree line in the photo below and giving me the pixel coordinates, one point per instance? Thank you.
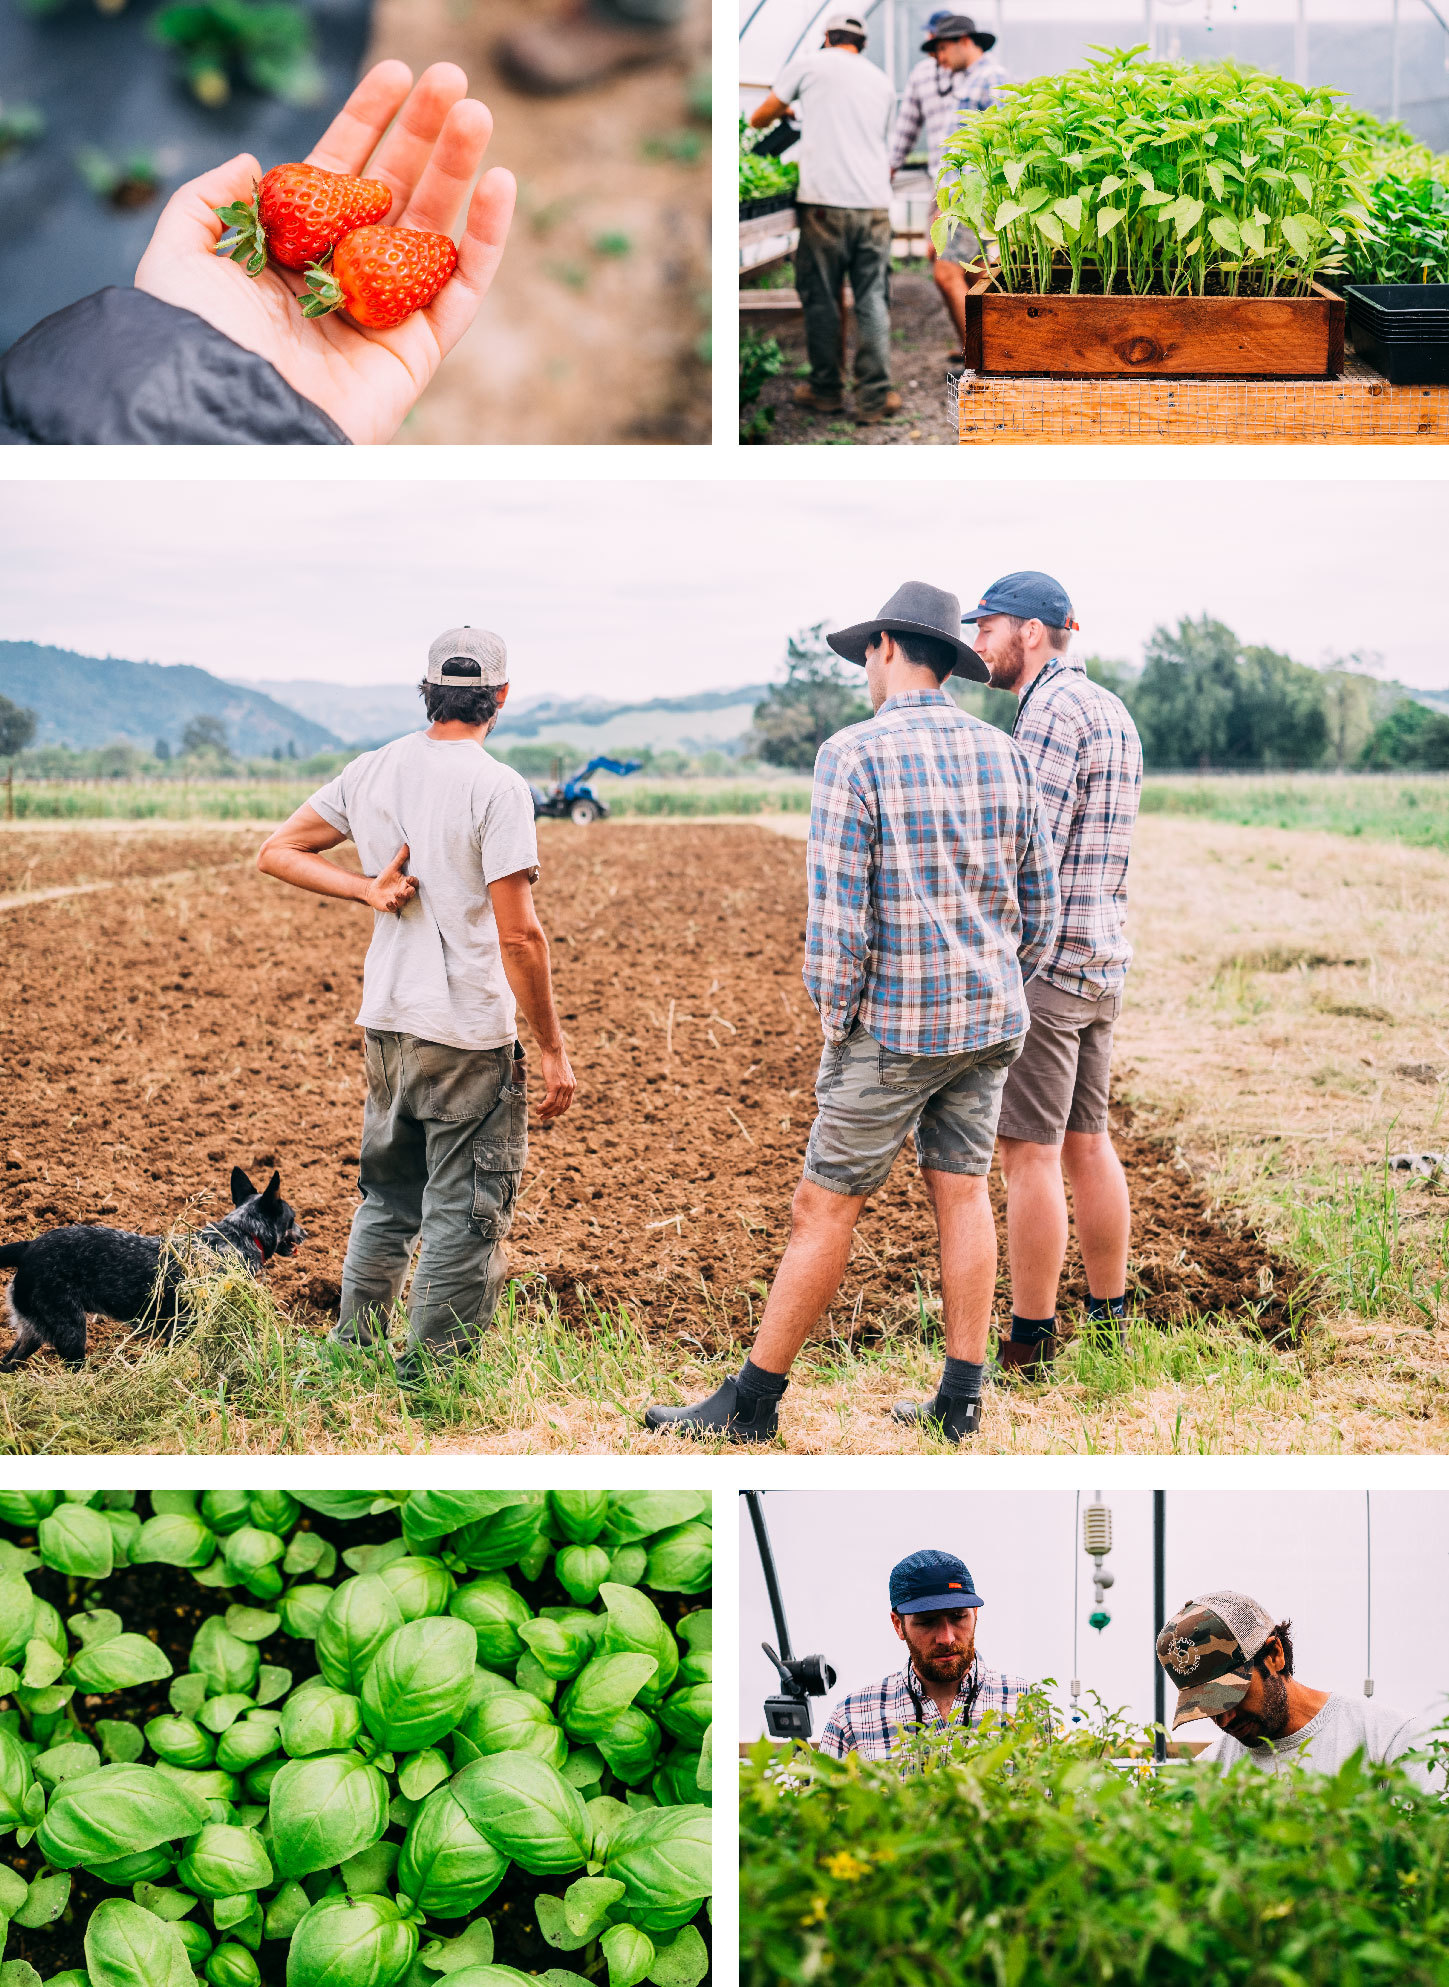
(1202, 701)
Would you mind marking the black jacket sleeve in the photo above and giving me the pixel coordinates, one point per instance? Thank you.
(122, 366)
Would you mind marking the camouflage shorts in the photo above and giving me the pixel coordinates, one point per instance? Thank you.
(870, 1099)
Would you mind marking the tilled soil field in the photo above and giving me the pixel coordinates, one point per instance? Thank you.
(161, 1031)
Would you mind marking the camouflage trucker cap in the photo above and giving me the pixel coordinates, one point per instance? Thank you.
(1207, 1648)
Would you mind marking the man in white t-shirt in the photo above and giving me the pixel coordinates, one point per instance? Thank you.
(1233, 1663)
(843, 209)
(446, 839)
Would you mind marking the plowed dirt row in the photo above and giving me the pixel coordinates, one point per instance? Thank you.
(158, 1033)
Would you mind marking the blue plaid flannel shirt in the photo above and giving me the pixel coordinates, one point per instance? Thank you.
(933, 889)
(869, 1721)
(936, 100)
(1087, 757)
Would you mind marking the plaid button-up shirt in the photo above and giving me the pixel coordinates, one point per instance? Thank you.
(933, 890)
(1087, 758)
(869, 1721)
(936, 99)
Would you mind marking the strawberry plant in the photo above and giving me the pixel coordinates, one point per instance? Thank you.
(1016, 1852)
(1159, 178)
(267, 44)
(474, 1739)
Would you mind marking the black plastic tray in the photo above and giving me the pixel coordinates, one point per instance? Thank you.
(1403, 362)
(768, 203)
(1396, 306)
(101, 81)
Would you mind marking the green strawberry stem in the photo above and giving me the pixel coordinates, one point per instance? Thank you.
(326, 292)
(250, 246)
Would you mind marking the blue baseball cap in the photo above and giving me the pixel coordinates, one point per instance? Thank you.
(1030, 597)
(929, 1582)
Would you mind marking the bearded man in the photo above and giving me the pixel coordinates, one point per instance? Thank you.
(933, 1611)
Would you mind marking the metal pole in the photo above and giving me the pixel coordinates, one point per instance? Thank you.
(767, 1566)
(1300, 45)
(1159, 1617)
(1394, 96)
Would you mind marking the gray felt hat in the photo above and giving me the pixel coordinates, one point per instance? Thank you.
(484, 655)
(914, 609)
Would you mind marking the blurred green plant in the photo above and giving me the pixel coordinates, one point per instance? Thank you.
(123, 183)
(267, 44)
(21, 124)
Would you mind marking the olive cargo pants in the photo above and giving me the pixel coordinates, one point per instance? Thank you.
(444, 1143)
(836, 242)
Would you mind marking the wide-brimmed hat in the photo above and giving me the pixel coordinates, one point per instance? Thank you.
(914, 609)
(1208, 1648)
(957, 27)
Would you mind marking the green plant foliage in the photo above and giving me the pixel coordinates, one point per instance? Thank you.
(1160, 177)
(268, 44)
(1407, 236)
(343, 1821)
(761, 178)
(1019, 1852)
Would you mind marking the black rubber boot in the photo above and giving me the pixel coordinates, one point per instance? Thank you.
(1029, 1361)
(721, 1414)
(949, 1416)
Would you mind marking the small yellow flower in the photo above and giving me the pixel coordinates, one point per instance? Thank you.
(816, 1914)
(845, 1868)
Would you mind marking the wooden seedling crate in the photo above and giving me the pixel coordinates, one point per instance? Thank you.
(1084, 337)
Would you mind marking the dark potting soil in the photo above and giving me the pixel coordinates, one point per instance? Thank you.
(165, 1604)
(101, 81)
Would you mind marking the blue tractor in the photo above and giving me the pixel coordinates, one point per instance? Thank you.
(574, 799)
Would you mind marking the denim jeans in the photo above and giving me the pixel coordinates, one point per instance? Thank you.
(444, 1143)
(836, 242)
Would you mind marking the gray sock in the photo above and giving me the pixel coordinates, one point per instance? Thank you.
(755, 1385)
(961, 1380)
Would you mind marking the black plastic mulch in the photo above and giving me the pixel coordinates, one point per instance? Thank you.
(101, 81)
(165, 1603)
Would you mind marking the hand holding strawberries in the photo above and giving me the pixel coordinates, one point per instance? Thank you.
(363, 368)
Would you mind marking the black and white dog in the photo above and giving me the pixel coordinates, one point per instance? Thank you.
(63, 1276)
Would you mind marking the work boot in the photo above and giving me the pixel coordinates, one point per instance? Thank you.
(806, 396)
(872, 417)
(948, 1416)
(1031, 1361)
(722, 1414)
(577, 49)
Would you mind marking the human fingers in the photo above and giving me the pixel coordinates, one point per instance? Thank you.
(354, 134)
(479, 253)
(447, 179)
(189, 222)
(408, 146)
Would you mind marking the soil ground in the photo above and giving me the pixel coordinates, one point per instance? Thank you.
(920, 343)
(593, 329)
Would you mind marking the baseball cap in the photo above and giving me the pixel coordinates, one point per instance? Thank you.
(1208, 1648)
(928, 1582)
(1029, 596)
(471, 645)
(845, 24)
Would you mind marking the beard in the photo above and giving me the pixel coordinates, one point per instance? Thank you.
(1270, 1721)
(948, 1668)
(1007, 670)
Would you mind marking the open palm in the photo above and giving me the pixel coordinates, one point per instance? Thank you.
(366, 380)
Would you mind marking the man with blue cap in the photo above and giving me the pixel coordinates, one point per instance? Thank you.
(933, 1611)
(1085, 753)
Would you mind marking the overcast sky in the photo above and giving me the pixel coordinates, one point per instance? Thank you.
(1301, 1554)
(656, 589)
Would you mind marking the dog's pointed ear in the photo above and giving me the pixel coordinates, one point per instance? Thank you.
(272, 1192)
(241, 1187)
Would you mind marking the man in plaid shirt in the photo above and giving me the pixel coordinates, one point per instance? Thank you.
(1088, 762)
(956, 75)
(933, 1611)
(933, 895)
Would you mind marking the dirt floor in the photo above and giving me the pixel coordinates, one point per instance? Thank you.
(594, 329)
(162, 1031)
(920, 348)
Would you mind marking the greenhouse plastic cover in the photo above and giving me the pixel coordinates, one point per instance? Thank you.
(1350, 45)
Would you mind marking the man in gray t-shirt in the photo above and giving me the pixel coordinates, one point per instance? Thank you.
(445, 836)
(843, 210)
(1233, 1663)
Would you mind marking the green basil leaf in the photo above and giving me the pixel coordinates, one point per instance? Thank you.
(175, 1538)
(180, 1742)
(473, 1947)
(228, 1664)
(634, 1623)
(495, 1612)
(682, 1963)
(16, 1778)
(128, 1947)
(17, 1615)
(165, 1900)
(662, 1858)
(579, 1514)
(554, 1925)
(419, 1775)
(226, 1510)
(631, 1745)
(120, 1663)
(369, 1872)
(302, 1610)
(247, 1743)
(121, 1742)
(116, 1811)
(638, 1514)
(359, 1617)
(420, 1585)
(680, 1561)
(324, 1810)
(274, 1510)
(223, 1860)
(504, 1540)
(601, 1691)
(429, 1514)
(25, 1508)
(588, 1901)
(527, 1810)
(361, 1940)
(318, 1718)
(77, 1540)
(582, 1570)
(630, 1954)
(64, 1762)
(286, 1911)
(447, 1865)
(516, 1721)
(418, 1685)
(46, 1898)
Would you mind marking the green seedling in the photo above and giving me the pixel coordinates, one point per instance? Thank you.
(21, 124)
(269, 45)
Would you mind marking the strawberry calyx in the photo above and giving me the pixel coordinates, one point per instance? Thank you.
(250, 246)
(324, 292)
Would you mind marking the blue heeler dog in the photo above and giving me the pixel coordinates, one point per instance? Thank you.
(63, 1276)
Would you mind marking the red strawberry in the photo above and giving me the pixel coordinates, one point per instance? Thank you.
(299, 213)
(380, 276)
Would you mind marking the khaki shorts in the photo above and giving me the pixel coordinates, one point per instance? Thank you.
(870, 1100)
(1059, 1082)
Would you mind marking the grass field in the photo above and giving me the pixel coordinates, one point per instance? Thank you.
(1380, 807)
(1286, 1032)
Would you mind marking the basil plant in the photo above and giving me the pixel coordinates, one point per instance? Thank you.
(472, 1743)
